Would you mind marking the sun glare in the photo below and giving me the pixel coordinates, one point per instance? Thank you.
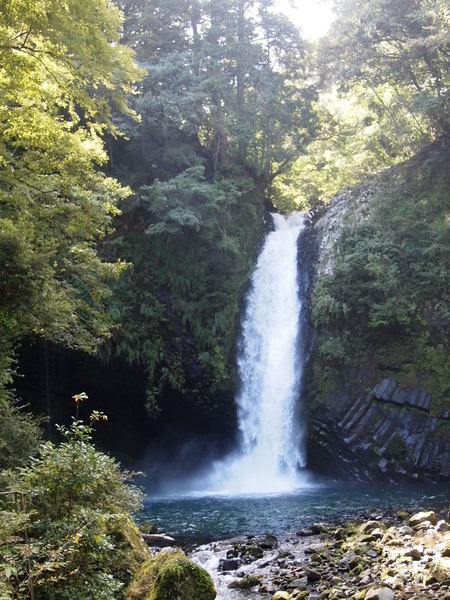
(313, 17)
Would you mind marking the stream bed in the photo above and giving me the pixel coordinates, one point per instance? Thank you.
(214, 529)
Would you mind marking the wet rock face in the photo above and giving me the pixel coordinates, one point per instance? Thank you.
(362, 422)
(386, 434)
(388, 391)
(350, 207)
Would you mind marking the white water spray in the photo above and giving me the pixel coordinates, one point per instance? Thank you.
(272, 445)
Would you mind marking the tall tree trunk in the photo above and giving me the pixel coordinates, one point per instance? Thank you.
(240, 79)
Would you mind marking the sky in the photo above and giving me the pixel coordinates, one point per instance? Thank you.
(313, 17)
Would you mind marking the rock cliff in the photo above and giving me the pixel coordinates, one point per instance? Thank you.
(382, 410)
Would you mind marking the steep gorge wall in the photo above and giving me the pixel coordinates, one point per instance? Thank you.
(382, 411)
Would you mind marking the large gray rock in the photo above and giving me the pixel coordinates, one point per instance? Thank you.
(382, 593)
(385, 389)
(350, 207)
(389, 391)
(421, 517)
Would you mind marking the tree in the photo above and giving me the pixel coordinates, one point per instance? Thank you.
(403, 45)
(226, 105)
(62, 72)
(383, 73)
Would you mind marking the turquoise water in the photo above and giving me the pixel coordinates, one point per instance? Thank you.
(218, 517)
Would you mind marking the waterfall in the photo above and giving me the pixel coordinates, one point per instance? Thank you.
(270, 369)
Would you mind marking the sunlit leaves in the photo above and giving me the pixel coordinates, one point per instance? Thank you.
(401, 44)
(62, 70)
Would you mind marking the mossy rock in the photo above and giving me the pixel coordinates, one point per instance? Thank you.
(171, 575)
(245, 583)
(130, 550)
(127, 535)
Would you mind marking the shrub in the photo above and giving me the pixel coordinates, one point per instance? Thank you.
(74, 538)
(20, 432)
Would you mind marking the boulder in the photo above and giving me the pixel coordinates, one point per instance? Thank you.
(340, 533)
(245, 583)
(381, 593)
(304, 532)
(416, 552)
(420, 517)
(350, 560)
(445, 550)
(405, 530)
(251, 553)
(317, 528)
(403, 515)
(313, 575)
(170, 574)
(281, 596)
(369, 526)
(229, 564)
(298, 584)
(377, 533)
(268, 542)
(442, 526)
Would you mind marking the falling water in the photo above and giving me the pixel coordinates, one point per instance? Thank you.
(272, 445)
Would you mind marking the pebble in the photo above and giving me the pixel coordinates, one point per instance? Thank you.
(415, 553)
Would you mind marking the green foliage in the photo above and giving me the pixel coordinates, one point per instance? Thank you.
(383, 80)
(387, 298)
(74, 472)
(366, 286)
(403, 45)
(20, 433)
(190, 263)
(226, 105)
(357, 136)
(227, 86)
(171, 575)
(62, 71)
(69, 533)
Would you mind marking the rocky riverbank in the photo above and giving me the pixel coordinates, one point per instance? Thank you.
(384, 556)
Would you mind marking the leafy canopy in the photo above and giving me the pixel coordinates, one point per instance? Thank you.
(384, 94)
(62, 71)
